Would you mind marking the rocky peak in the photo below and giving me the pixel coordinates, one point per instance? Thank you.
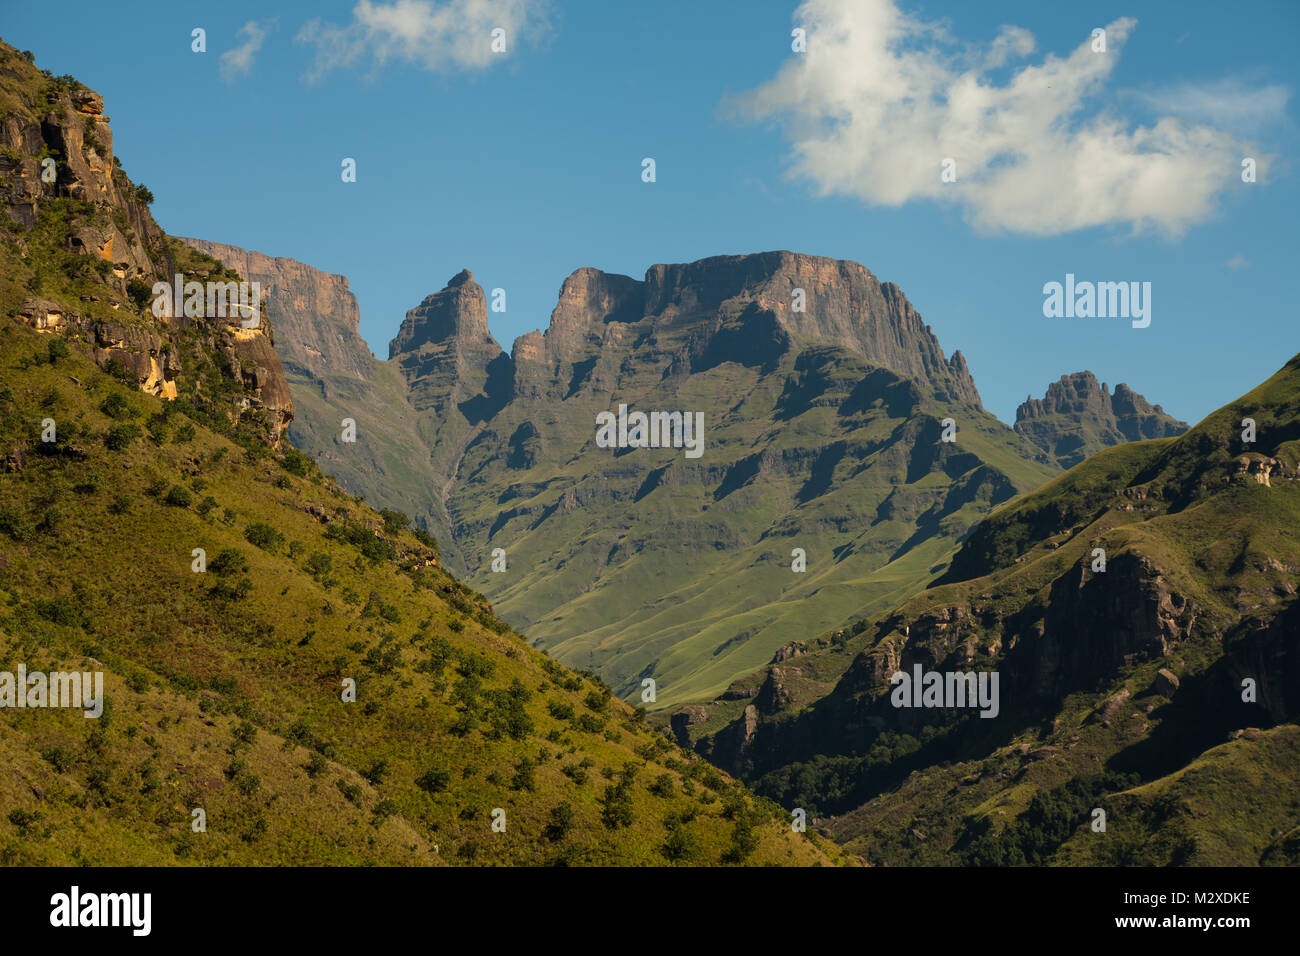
(456, 314)
(728, 306)
(588, 300)
(1071, 394)
(447, 356)
(843, 304)
(1078, 416)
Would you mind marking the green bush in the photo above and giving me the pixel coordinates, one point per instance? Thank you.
(434, 780)
(178, 497)
(158, 430)
(561, 822)
(616, 805)
(141, 292)
(394, 521)
(352, 791)
(524, 778)
(17, 525)
(119, 437)
(663, 785)
(262, 535)
(560, 710)
(680, 845)
(236, 592)
(295, 462)
(116, 370)
(316, 765)
(116, 406)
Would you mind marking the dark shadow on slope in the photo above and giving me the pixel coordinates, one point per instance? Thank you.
(496, 392)
(823, 469)
(737, 476)
(581, 375)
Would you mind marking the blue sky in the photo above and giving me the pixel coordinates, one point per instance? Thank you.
(526, 166)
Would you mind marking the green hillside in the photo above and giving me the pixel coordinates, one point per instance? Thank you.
(156, 528)
(1121, 689)
(646, 563)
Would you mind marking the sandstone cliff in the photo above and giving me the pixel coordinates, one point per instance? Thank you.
(301, 296)
(71, 204)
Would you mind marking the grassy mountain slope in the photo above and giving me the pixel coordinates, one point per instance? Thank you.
(1119, 687)
(333, 376)
(224, 687)
(225, 682)
(648, 564)
(644, 563)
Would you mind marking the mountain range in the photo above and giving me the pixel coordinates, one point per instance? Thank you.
(287, 676)
(351, 610)
(823, 395)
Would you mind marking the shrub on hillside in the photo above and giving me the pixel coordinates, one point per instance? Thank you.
(262, 535)
(119, 437)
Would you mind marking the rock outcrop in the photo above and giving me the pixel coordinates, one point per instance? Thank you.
(1079, 416)
(447, 355)
(58, 172)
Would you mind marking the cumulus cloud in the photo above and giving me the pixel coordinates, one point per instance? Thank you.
(880, 99)
(1238, 262)
(436, 36)
(239, 61)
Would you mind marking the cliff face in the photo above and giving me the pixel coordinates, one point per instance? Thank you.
(843, 305)
(87, 253)
(299, 296)
(822, 393)
(1078, 417)
(447, 355)
(334, 377)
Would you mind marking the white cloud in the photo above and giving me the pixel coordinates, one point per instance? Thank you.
(436, 36)
(1238, 262)
(239, 61)
(877, 103)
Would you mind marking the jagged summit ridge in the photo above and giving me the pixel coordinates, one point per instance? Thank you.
(724, 307)
(1079, 415)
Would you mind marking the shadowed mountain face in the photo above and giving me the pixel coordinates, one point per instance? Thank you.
(822, 395)
(1078, 417)
(1140, 612)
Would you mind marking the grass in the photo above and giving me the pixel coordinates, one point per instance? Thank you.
(186, 666)
(1200, 581)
